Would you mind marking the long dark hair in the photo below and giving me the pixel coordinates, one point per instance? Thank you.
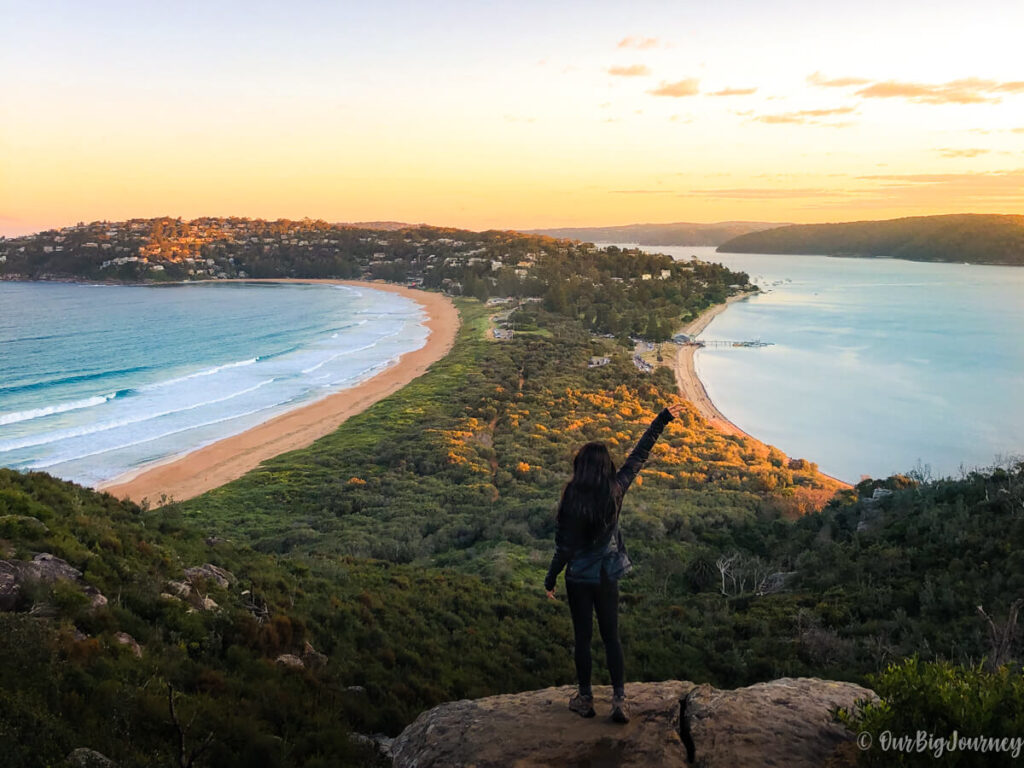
(590, 494)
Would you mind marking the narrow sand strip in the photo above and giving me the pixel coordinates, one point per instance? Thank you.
(227, 459)
(690, 385)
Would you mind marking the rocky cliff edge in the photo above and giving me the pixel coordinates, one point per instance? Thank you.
(786, 722)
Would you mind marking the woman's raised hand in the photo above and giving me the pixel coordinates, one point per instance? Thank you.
(675, 409)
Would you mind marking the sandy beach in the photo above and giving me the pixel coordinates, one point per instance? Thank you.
(690, 385)
(213, 465)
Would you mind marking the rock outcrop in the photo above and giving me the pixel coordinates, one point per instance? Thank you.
(786, 722)
(211, 573)
(44, 568)
(123, 638)
(88, 758)
(291, 661)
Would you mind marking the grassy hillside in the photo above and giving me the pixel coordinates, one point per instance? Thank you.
(871, 579)
(408, 548)
(466, 463)
(971, 238)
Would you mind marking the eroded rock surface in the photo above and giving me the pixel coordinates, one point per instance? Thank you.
(786, 722)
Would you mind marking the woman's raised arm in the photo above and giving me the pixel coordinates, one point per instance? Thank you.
(624, 477)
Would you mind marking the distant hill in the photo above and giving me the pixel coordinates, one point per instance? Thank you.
(967, 237)
(677, 233)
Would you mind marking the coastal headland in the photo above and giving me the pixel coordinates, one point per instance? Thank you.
(213, 465)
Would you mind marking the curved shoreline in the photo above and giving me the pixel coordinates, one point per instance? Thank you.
(692, 388)
(227, 459)
(689, 383)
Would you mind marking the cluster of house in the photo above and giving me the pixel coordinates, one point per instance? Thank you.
(206, 248)
(664, 275)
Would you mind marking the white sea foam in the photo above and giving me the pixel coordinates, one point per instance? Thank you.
(283, 349)
(67, 434)
(50, 410)
(151, 438)
(336, 355)
(198, 374)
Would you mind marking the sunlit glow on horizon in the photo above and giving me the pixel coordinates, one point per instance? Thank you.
(522, 116)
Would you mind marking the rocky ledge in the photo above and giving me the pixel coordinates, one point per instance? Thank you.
(786, 722)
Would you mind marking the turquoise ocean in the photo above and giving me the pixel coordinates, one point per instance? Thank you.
(876, 366)
(99, 380)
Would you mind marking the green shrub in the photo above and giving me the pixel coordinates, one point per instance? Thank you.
(929, 703)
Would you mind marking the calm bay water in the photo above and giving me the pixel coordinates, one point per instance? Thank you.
(98, 380)
(876, 364)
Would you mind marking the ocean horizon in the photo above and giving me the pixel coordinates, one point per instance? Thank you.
(100, 380)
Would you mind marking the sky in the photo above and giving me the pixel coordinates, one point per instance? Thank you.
(509, 114)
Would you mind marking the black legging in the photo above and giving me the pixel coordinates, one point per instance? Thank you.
(584, 600)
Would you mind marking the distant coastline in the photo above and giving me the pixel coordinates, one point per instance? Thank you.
(991, 239)
(206, 468)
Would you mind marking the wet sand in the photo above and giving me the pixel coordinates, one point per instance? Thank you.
(201, 470)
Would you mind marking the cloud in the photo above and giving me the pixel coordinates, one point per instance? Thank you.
(638, 192)
(687, 87)
(633, 70)
(826, 112)
(968, 90)
(805, 116)
(1014, 176)
(950, 152)
(769, 193)
(882, 193)
(971, 90)
(734, 92)
(790, 117)
(816, 78)
(994, 185)
(998, 191)
(639, 43)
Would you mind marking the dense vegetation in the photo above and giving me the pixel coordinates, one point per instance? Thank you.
(971, 238)
(943, 714)
(623, 293)
(676, 233)
(408, 550)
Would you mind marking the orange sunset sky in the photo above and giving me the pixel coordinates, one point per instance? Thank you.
(510, 115)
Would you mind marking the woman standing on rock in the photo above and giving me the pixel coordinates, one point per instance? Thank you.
(588, 544)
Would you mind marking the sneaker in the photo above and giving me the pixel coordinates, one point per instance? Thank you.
(620, 712)
(582, 705)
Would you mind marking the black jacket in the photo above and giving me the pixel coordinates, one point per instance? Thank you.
(574, 541)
